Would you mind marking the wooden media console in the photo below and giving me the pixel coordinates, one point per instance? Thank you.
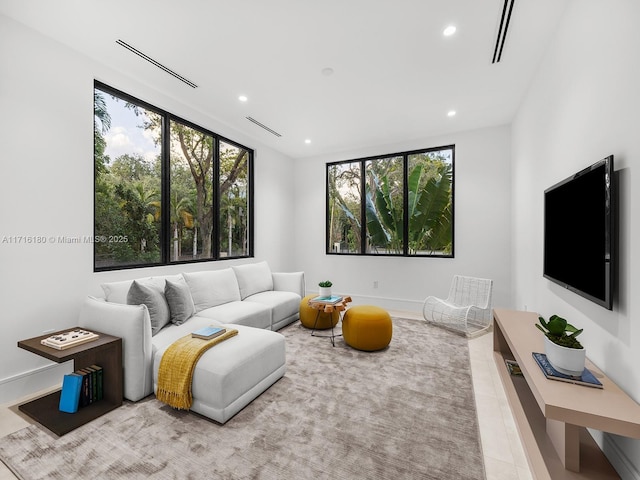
(552, 417)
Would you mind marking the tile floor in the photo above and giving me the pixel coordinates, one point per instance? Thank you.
(503, 454)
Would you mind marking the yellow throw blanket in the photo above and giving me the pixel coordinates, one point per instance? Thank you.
(176, 368)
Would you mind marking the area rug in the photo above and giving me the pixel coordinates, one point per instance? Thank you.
(406, 412)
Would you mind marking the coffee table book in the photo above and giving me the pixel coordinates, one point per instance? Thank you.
(587, 379)
(207, 333)
(330, 300)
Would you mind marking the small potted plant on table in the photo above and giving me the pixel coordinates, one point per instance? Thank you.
(325, 288)
(563, 350)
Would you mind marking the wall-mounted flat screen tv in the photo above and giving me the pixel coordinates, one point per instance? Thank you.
(579, 233)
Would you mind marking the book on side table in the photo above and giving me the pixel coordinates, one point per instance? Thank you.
(331, 300)
(587, 378)
(207, 333)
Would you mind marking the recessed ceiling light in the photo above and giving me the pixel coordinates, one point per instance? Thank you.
(327, 71)
(307, 141)
(451, 113)
(243, 98)
(450, 30)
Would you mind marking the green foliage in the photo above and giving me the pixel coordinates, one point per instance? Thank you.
(560, 332)
(344, 206)
(325, 283)
(128, 203)
(384, 205)
(430, 214)
(234, 224)
(429, 209)
(101, 125)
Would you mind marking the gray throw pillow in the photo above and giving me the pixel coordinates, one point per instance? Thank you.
(154, 300)
(181, 307)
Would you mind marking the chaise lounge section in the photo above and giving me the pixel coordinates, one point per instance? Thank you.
(150, 314)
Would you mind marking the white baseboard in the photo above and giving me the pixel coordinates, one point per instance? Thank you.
(28, 383)
(389, 303)
(621, 462)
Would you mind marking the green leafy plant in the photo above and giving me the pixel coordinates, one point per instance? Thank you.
(325, 283)
(429, 210)
(560, 332)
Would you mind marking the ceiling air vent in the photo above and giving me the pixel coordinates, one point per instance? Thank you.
(502, 31)
(261, 125)
(156, 63)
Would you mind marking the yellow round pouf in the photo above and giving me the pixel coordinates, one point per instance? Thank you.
(366, 327)
(308, 315)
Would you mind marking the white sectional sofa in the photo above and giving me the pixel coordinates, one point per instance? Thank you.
(151, 313)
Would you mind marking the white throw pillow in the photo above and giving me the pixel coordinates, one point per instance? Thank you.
(116, 292)
(212, 288)
(253, 278)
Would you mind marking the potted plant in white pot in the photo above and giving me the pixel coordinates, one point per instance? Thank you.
(563, 350)
(325, 288)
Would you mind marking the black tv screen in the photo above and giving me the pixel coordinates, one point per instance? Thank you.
(579, 231)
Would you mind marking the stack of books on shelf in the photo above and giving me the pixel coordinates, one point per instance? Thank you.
(81, 388)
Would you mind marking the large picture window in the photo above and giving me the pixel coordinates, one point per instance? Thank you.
(405, 199)
(166, 190)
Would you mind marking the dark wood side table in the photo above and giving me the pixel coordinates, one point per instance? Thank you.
(106, 352)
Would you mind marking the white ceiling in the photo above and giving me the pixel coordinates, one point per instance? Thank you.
(395, 75)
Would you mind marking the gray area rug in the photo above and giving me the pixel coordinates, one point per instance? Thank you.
(406, 412)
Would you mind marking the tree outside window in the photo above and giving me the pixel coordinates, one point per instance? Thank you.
(205, 212)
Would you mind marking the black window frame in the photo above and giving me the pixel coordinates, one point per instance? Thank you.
(405, 221)
(165, 188)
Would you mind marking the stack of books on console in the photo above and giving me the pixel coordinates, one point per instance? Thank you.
(587, 379)
(81, 388)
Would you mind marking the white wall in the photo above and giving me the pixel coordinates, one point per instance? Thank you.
(46, 172)
(582, 106)
(482, 227)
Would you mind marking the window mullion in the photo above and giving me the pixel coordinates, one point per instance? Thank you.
(363, 209)
(250, 203)
(215, 198)
(405, 205)
(165, 187)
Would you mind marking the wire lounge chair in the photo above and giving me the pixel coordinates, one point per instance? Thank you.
(466, 310)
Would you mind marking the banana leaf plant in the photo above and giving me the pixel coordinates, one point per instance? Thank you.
(429, 213)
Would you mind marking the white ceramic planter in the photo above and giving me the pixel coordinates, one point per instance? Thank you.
(325, 292)
(569, 361)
